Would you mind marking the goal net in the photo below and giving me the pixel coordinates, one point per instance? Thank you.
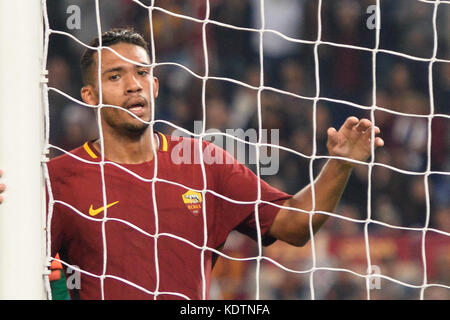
(264, 79)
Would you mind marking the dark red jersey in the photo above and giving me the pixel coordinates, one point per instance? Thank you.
(136, 232)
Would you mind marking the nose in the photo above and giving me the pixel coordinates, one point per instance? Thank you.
(133, 85)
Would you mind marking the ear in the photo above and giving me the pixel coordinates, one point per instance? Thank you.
(155, 87)
(89, 95)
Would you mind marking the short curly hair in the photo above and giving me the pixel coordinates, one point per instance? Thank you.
(109, 38)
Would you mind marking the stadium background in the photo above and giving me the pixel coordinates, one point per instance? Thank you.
(402, 85)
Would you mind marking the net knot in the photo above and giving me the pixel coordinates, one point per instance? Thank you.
(44, 75)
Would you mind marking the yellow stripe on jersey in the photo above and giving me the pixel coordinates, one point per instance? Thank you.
(164, 139)
(89, 151)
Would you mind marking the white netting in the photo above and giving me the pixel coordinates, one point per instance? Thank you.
(274, 271)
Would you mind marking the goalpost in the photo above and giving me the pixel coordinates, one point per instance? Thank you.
(22, 234)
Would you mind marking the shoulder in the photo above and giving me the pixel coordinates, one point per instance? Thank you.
(175, 140)
(194, 150)
(73, 158)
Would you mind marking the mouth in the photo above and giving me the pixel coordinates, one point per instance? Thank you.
(137, 107)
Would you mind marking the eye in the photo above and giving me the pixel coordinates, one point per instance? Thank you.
(143, 72)
(114, 77)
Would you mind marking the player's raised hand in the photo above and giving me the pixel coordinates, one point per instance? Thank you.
(2, 187)
(353, 140)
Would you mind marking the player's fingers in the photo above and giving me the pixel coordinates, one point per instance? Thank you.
(363, 125)
(332, 136)
(377, 130)
(368, 132)
(350, 122)
(379, 142)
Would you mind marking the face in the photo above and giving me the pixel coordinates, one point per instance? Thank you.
(123, 84)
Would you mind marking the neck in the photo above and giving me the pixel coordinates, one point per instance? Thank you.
(125, 149)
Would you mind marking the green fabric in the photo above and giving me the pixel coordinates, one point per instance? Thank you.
(59, 288)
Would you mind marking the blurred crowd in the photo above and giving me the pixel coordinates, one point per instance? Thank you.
(413, 114)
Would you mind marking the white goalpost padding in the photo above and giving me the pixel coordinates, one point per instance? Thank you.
(22, 234)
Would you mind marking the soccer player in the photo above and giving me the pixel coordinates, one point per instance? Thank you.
(113, 233)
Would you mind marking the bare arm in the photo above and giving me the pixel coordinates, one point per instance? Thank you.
(351, 141)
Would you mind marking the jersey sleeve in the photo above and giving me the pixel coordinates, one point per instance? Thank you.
(55, 213)
(239, 186)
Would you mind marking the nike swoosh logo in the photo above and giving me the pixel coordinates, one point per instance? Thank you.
(94, 212)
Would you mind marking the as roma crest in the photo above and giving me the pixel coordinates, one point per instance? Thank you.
(193, 201)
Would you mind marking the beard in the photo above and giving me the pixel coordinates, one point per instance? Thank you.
(120, 121)
(137, 129)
